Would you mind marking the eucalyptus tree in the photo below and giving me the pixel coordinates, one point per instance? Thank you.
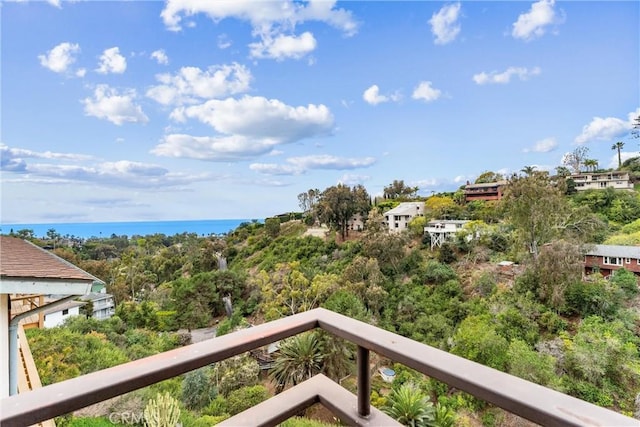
(338, 204)
(399, 190)
(575, 159)
(537, 209)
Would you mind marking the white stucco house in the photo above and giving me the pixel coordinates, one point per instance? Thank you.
(103, 304)
(398, 218)
(56, 315)
(602, 180)
(442, 230)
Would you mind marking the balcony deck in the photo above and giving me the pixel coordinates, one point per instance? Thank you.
(528, 400)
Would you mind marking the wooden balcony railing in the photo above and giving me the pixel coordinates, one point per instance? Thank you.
(528, 400)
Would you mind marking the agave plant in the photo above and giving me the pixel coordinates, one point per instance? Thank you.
(409, 406)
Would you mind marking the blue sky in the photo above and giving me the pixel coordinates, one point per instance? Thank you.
(149, 110)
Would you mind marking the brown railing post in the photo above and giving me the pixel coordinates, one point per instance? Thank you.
(364, 383)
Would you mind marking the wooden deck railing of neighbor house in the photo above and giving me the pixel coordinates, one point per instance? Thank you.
(528, 400)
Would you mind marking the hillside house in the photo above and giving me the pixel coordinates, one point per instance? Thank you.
(606, 259)
(398, 218)
(442, 230)
(602, 180)
(27, 273)
(56, 315)
(485, 192)
(356, 222)
(103, 305)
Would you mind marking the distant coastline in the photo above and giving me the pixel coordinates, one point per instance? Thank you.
(86, 230)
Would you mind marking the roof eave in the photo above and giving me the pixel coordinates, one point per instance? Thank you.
(30, 285)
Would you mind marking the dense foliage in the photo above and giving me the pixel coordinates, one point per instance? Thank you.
(543, 320)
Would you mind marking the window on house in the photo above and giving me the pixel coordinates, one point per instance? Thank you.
(65, 311)
(612, 260)
(396, 225)
(627, 260)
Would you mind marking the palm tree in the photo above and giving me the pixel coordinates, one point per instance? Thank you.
(591, 164)
(618, 146)
(300, 359)
(528, 170)
(409, 406)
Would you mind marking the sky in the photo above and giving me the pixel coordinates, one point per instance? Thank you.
(186, 109)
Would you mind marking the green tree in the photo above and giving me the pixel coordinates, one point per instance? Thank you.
(591, 164)
(408, 405)
(540, 213)
(618, 146)
(528, 170)
(399, 190)
(197, 389)
(530, 365)
(245, 398)
(195, 300)
(476, 339)
(441, 207)
(272, 226)
(559, 265)
(287, 290)
(625, 280)
(339, 203)
(299, 359)
(238, 371)
(488, 176)
(308, 201)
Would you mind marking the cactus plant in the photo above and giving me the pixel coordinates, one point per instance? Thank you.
(163, 411)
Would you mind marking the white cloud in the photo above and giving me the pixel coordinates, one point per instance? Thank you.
(352, 179)
(81, 72)
(160, 56)
(325, 161)
(286, 13)
(112, 62)
(426, 92)
(60, 57)
(543, 146)
(273, 23)
(372, 96)
(117, 108)
(216, 149)
(444, 23)
(122, 173)
(300, 165)
(223, 41)
(258, 117)
(505, 76)
(248, 128)
(191, 83)
(624, 156)
(282, 47)
(534, 23)
(13, 159)
(604, 129)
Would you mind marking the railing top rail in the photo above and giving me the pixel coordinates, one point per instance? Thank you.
(534, 402)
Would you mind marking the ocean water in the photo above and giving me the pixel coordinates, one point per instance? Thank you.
(141, 228)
